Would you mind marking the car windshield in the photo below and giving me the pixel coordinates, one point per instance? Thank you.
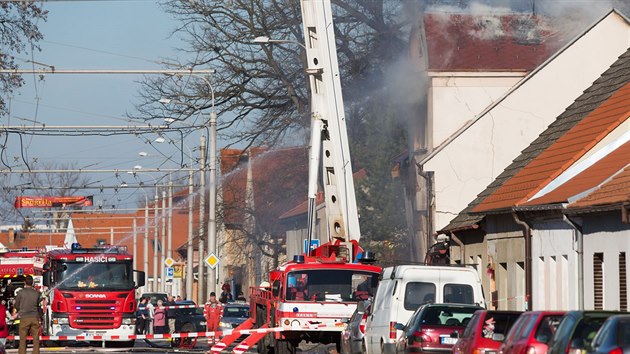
(447, 316)
(236, 311)
(94, 276)
(330, 285)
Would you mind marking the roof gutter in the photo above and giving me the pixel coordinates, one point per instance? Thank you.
(527, 235)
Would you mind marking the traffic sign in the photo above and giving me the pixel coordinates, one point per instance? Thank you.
(314, 245)
(170, 272)
(169, 262)
(212, 260)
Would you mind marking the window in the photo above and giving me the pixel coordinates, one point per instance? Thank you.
(418, 293)
(598, 281)
(470, 328)
(330, 285)
(623, 286)
(546, 328)
(458, 294)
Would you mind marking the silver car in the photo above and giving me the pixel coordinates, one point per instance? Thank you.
(352, 336)
(234, 313)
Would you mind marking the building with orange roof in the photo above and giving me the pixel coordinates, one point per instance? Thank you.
(494, 82)
(552, 231)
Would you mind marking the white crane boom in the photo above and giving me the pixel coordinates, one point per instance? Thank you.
(328, 126)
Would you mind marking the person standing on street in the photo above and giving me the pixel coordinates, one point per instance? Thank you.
(142, 316)
(27, 305)
(159, 319)
(212, 311)
(170, 313)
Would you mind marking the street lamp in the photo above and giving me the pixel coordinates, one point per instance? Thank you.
(267, 40)
(212, 229)
(189, 245)
(155, 233)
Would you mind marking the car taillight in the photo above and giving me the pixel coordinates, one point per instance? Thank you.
(530, 350)
(478, 351)
(616, 351)
(362, 328)
(392, 330)
(421, 336)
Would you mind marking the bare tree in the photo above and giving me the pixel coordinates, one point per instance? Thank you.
(19, 34)
(264, 88)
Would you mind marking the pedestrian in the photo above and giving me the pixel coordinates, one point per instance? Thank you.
(179, 298)
(212, 311)
(159, 318)
(148, 326)
(27, 305)
(142, 316)
(170, 313)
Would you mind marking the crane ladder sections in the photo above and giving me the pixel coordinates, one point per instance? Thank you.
(229, 339)
(249, 341)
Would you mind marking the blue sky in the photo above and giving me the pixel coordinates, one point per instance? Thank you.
(94, 35)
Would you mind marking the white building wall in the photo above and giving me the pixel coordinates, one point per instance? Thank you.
(554, 268)
(610, 243)
(456, 98)
(472, 161)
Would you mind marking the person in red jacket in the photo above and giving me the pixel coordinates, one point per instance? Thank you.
(212, 311)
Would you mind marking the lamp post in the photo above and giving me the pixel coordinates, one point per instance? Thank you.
(212, 194)
(267, 40)
(154, 287)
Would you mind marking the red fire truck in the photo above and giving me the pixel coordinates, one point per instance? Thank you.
(311, 296)
(91, 291)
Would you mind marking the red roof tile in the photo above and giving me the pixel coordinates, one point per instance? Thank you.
(464, 42)
(616, 190)
(562, 154)
(593, 176)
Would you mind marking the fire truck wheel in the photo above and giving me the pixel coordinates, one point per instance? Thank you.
(284, 347)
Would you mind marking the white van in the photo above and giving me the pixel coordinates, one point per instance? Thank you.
(404, 288)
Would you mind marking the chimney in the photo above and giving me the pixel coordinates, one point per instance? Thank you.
(11, 236)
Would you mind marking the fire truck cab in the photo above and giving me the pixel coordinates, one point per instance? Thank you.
(311, 296)
(91, 292)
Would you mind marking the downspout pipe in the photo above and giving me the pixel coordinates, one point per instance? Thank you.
(579, 235)
(527, 235)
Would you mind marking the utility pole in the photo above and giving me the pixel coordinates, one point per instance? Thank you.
(189, 244)
(145, 252)
(155, 239)
(163, 242)
(135, 243)
(212, 212)
(202, 211)
(169, 242)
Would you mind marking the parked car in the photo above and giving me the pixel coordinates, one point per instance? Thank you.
(404, 288)
(434, 328)
(532, 333)
(234, 314)
(485, 332)
(613, 337)
(188, 320)
(352, 336)
(576, 331)
(154, 297)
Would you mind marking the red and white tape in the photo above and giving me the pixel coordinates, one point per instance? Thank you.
(154, 336)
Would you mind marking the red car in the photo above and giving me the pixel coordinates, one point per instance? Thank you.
(532, 333)
(434, 328)
(485, 332)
